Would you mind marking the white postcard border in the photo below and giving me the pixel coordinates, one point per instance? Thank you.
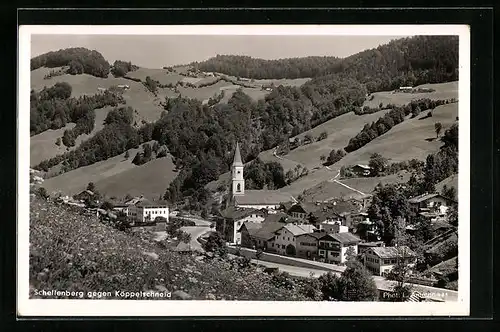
(62, 307)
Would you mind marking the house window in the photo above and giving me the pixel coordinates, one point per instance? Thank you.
(238, 187)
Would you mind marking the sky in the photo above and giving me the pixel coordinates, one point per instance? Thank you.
(155, 51)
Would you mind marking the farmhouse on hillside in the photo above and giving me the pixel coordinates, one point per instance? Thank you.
(361, 170)
(430, 204)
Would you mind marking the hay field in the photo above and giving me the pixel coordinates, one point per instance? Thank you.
(443, 91)
(151, 180)
(340, 130)
(42, 146)
(413, 138)
(117, 168)
(407, 140)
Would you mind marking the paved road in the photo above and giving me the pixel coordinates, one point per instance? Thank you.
(382, 283)
(293, 270)
(196, 232)
(196, 220)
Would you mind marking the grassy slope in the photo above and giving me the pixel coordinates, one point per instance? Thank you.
(42, 146)
(327, 190)
(150, 180)
(405, 141)
(78, 253)
(451, 181)
(117, 176)
(443, 91)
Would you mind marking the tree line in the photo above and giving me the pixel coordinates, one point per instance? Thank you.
(80, 60)
(402, 62)
(245, 66)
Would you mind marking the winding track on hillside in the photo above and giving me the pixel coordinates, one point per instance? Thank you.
(334, 179)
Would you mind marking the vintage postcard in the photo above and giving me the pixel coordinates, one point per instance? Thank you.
(243, 170)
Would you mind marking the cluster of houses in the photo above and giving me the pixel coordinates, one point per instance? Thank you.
(324, 231)
(138, 210)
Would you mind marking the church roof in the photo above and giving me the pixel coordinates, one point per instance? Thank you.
(237, 156)
(262, 197)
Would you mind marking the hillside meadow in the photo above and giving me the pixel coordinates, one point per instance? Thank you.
(151, 178)
(43, 146)
(442, 91)
(412, 139)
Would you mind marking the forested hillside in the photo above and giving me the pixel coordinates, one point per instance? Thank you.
(407, 61)
(245, 66)
(80, 60)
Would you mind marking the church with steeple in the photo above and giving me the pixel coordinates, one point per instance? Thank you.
(239, 197)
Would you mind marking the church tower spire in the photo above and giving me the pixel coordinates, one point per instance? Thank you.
(238, 182)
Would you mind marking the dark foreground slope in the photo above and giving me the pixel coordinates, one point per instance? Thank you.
(71, 250)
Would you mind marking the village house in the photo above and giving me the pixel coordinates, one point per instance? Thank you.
(147, 211)
(86, 196)
(430, 204)
(367, 230)
(361, 170)
(364, 246)
(381, 260)
(260, 236)
(333, 227)
(332, 247)
(320, 212)
(121, 207)
(307, 245)
(285, 238)
(232, 218)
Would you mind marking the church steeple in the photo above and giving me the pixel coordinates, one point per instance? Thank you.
(237, 156)
(238, 182)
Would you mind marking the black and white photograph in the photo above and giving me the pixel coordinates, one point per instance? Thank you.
(243, 170)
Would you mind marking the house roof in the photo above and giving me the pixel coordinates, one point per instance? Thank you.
(262, 197)
(316, 235)
(237, 156)
(393, 252)
(297, 230)
(363, 166)
(238, 213)
(426, 196)
(371, 244)
(89, 192)
(267, 230)
(251, 227)
(343, 238)
(148, 203)
(275, 217)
